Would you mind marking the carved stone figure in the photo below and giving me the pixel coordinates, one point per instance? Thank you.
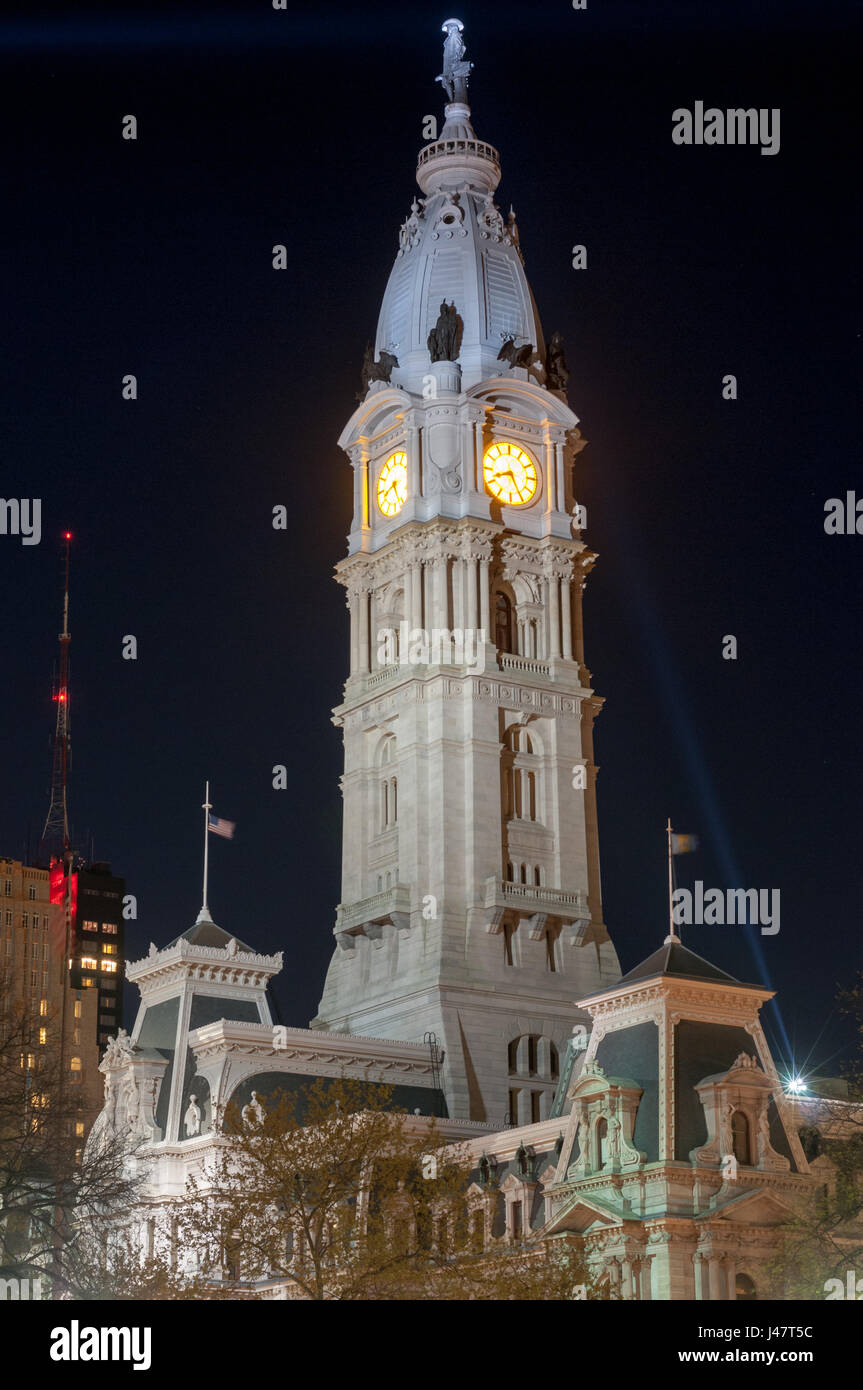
(445, 338)
(254, 1113)
(410, 230)
(556, 370)
(192, 1118)
(763, 1133)
(132, 1105)
(613, 1138)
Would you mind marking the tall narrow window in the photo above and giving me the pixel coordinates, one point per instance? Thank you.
(516, 1219)
(601, 1133)
(740, 1137)
(549, 951)
(512, 1056)
(531, 1054)
(507, 944)
(503, 623)
(534, 1106)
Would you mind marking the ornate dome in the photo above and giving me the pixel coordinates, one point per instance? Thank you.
(456, 247)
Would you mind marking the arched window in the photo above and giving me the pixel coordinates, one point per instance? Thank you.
(601, 1133)
(503, 623)
(745, 1290)
(522, 763)
(532, 1054)
(740, 1137)
(75, 1064)
(388, 813)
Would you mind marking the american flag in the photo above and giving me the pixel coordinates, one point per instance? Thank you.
(217, 826)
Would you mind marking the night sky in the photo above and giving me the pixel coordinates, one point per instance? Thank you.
(154, 258)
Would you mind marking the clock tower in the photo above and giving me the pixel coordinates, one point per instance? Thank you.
(471, 906)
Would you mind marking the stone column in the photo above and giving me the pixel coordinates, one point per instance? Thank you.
(353, 608)
(471, 613)
(553, 617)
(413, 461)
(559, 478)
(700, 1281)
(477, 479)
(566, 610)
(459, 593)
(363, 653)
(485, 601)
(714, 1277)
(415, 596)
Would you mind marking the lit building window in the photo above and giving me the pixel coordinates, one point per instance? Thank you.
(87, 984)
(75, 1064)
(43, 1036)
(43, 1008)
(110, 928)
(89, 926)
(79, 1128)
(109, 967)
(89, 963)
(109, 948)
(77, 1009)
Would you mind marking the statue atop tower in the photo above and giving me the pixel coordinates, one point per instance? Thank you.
(455, 70)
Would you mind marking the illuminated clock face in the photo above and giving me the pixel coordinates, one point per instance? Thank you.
(510, 474)
(393, 484)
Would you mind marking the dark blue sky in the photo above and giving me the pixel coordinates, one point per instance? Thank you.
(257, 127)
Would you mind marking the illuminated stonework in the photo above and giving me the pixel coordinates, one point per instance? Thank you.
(510, 474)
(393, 484)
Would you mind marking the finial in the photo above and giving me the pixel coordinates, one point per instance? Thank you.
(455, 70)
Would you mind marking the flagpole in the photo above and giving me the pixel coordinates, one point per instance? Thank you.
(207, 808)
(672, 935)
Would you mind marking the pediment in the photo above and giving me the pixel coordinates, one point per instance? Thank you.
(582, 1215)
(760, 1207)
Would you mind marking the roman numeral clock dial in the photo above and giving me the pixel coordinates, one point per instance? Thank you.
(393, 484)
(510, 474)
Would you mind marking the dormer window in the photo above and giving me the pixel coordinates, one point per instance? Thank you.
(740, 1145)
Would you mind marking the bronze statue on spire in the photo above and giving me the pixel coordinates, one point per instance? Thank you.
(455, 69)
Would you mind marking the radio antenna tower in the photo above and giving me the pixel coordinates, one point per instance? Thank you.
(55, 835)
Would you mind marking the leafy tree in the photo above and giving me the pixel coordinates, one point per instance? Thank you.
(334, 1194)
(824, 1240)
